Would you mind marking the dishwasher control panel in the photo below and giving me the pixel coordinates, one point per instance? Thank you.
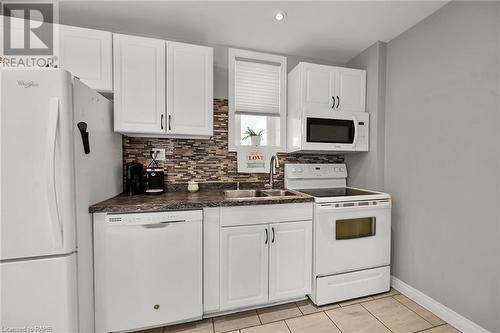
(154, 218)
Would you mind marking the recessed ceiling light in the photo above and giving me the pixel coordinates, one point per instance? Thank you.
(280, 16)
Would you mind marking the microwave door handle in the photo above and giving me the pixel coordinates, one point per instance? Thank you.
(356, 129)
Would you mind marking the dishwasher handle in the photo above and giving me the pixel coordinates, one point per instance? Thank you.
(152, 219)
(161, 224)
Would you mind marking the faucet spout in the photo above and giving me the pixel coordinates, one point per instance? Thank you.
(272, 170)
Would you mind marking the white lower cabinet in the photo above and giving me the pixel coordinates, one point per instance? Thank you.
(290, 260)
(244, 266)
(265, 263)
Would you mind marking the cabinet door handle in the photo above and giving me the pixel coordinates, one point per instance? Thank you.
(333, 104)
(161, 121)
(267, 237)
(169, 122)
(338, 101)
(272, 239)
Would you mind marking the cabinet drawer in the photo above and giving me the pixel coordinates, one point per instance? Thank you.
(262, 214)
(336, 288)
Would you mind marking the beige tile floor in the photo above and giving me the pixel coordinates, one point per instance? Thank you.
(384, 313)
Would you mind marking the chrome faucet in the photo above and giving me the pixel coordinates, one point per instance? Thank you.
(272, 170)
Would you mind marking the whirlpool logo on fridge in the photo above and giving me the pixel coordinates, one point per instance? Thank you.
(29, 33)
(27, 84)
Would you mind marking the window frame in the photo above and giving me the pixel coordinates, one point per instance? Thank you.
(233, 54)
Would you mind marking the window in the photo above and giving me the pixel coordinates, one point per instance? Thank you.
(257, 98)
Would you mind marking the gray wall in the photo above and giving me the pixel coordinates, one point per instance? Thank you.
(442, 161)
(367, 170)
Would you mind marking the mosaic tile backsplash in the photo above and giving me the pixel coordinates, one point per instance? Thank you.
(207, 161)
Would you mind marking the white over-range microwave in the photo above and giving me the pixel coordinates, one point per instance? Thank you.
(337, 132)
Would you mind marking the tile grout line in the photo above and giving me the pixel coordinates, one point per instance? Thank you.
(326, 314)
(271, 322)
(274, 321)
(288, 327)
(375, 317)
(419, 314)
(355, 303)
(261, 324)
(277, 320)
(431, 328)
(300, 309)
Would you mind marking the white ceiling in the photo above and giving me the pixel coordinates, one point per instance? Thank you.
(329, 30)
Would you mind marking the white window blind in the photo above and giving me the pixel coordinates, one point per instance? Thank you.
(257, 87)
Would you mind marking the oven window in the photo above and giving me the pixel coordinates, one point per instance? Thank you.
(355, 228)
(330, 130)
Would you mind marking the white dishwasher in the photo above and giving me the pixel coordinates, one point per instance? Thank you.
(147, 269)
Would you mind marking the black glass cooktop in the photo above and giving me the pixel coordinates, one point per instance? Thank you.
(335, 192)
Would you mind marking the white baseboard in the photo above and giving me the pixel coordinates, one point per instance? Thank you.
(459, 322)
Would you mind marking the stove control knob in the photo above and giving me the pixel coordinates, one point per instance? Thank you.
(342, 169)
(336, 169)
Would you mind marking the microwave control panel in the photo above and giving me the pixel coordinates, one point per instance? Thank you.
(363, 132)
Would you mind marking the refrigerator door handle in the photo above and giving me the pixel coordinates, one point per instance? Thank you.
(52, 126)
(82, 127)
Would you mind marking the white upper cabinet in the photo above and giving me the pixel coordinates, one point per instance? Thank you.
(319, 87)
(244, 266)
(87, 54)
(322, 89)
(189, 89)
(290, 260)
(162, 88)
(139, 82)
(350, 89)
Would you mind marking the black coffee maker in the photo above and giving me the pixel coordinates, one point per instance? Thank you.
(135, 181)
(155, 176)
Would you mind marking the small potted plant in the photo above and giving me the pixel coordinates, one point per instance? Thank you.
(255, 137)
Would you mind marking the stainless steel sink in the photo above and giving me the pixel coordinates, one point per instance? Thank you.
(279, 193)
(243, 194)
(257, 194)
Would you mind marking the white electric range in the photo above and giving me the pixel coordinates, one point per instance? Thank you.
(351, 233)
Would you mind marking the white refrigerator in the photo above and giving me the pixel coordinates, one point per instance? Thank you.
(47, 184)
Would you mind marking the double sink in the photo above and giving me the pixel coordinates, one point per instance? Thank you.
(258, 194)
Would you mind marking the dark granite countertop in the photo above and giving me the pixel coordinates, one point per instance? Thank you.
(183, 200)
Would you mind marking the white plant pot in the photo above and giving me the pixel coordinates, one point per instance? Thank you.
(255, 140)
